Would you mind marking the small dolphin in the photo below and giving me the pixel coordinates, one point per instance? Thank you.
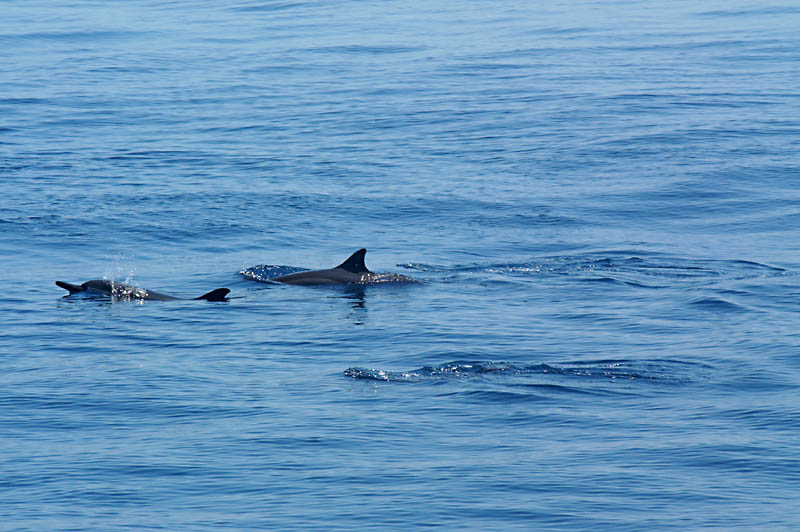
(126, 291)
(351, 271)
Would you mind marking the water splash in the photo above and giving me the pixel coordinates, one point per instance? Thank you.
(265, 273)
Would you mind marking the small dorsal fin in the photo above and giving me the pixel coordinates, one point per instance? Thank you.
(355, 263)
(215, 295)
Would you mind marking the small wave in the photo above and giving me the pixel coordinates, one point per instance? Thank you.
(421, 267)
(765, 11)
(273, 6)
(451, 370)
(532, 392)
(72, 36)
(648, 270)
(500, 396)
(748, 264)
(362, 49)
(764, 417)
(717, 304)
(651, 370)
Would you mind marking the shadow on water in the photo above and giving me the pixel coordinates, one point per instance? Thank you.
(356, 296)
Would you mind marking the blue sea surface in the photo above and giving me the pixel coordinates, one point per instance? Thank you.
(600, 198)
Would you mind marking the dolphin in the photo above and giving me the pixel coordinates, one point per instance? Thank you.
(126, 291)
(351, 271)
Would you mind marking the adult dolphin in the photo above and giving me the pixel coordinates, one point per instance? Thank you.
(351, 271)
(126, 291)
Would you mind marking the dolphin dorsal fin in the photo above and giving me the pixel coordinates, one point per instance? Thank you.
(355, 263)
(215, 295)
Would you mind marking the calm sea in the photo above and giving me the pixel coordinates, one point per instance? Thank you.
(602, 199)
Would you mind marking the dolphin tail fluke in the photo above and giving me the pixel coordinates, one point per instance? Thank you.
(355, 263)
(215, 295)
(72, 288)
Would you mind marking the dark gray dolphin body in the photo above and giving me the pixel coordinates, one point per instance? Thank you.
(126, 291)
(351, 271)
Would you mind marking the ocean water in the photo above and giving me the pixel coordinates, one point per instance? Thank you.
(601, 199)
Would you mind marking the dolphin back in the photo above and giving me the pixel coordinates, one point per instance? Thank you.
(315, 277)
(126, 291)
